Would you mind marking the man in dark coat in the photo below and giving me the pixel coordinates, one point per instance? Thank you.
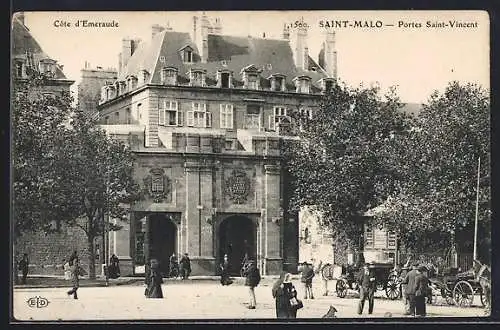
(74, 263)
(307, 278)
(154, 280)
(366, 281)
(185, 266)
(225, 278)
(421, 288)
(252, 280)
(24, 267)
(409, 282)
(174, 266)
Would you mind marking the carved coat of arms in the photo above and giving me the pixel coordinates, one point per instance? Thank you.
(238, 186)
(156, 185)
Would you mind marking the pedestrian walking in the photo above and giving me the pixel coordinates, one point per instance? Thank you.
(173, 270)
(74, 264)
(185, 266)
(252, 279)
(307, 276)
(409, 283)
(285, 296)
(225, 278)
(366, 281)
(24, 267)
(114, 267)
(421, 289)
(154, 280)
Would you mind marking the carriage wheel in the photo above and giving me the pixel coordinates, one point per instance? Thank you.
(392, 289)
(447, 296)
(483, 298)
(341, 288)
(463, 294)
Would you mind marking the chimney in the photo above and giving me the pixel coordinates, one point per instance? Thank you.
(20, 17)
(299, 46)
(200, 36)
(286, 32)
(126, 51)
(330, 54)
(155, 29)
(217, 26)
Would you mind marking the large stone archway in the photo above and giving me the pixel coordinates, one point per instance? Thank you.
(237, 237)
(162, 239)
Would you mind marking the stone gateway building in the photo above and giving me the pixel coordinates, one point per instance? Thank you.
(205, 114)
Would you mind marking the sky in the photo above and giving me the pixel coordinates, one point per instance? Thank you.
(415, 58)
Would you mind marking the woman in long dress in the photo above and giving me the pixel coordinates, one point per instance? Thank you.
(154, 281)
(283, 290)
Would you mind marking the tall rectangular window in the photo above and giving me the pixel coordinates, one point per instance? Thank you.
(369, 237)
(226, 116)
(278, 113)
(253, 117)
(169, 113)
(199, 116)
(127, 116)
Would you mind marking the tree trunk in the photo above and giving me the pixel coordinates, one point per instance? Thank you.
(91, 257)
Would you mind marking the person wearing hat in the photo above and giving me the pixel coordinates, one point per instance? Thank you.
(409, 283)
(283, 292)
(154, 280)
(252, 279)
(421, 288)
(367, 286)
(185, 266)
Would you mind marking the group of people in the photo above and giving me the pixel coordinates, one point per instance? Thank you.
(182, 267)
(416, 288)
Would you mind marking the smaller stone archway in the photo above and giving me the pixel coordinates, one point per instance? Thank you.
(162, 239)
(237, 237)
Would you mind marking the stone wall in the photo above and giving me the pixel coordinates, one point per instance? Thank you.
(47, 251)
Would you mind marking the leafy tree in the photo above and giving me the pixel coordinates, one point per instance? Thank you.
(436, 192)
(38, 131)
(65, 168)
(342, 162)
(99, 179)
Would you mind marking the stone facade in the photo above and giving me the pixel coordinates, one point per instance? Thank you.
(315, 241)
(205, 115)
(89, 89)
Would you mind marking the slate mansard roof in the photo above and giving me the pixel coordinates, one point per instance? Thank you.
(23, 44)
(231, 53)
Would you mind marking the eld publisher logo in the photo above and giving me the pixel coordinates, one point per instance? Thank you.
(38, 302)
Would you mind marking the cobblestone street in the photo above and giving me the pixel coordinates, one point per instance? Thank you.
(200, 300)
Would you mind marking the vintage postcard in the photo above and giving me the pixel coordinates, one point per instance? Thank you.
(244, 165)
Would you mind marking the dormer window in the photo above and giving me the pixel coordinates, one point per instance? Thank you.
(143, 77)
(278, 82)
(251, 77)
(224, 79)
(122, 87)
(131, 83)
(117, 88)
(187, 54)
(20, 69)
(47, 66)
(197, 78)
(111, 92)
(326, 84)
(168, 76)
(302, 84)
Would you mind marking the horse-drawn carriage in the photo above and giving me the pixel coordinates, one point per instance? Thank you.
(383, 279)
(456, 288)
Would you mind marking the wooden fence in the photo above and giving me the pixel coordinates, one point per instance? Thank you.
(441, 260)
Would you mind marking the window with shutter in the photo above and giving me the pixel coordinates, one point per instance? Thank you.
(180, 117)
